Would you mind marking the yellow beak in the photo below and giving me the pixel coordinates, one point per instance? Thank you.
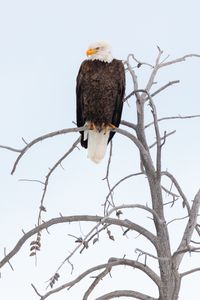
(91, 52)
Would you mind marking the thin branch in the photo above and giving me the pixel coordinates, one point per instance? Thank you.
(163, 88)
(32, 180)
(128, 124)
(8, 260)
(158, 138)
(173, 118)
(108, 183)
(139, 63)
(135, 92)
(134, 77)
(175, 182)
(144, 153)
(125, 293)
(177, 219)
(123, 179)
(154, 72)
(96, 281)
(37, 140)
(140, 206)
(154, 93)
(50, 173)
(189, 272)
(10, 149)
(36, 291)
(93, 235)
(189, 227)
(169, 192)
(181, 59)
(151, 255)
(163, 138)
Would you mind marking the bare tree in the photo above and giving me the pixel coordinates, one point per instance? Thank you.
(166, 275)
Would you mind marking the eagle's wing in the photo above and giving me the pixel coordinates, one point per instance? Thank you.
(119, 99)
(80, 102)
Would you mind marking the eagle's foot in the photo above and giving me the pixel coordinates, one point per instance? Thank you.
(108, 127)
(91, 126)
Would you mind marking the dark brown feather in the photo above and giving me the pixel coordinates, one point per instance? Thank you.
(100, 91)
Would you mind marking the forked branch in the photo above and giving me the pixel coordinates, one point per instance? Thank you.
(112, 262)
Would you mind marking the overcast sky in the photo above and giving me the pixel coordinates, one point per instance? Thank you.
(42, 44)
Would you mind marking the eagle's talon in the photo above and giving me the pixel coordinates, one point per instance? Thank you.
(91, 126)
(109, 127)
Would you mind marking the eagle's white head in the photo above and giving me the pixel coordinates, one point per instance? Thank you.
(100, 51)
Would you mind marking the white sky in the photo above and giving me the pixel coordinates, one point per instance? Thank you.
(42, 44)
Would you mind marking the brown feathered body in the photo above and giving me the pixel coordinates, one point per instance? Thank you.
(100, 91)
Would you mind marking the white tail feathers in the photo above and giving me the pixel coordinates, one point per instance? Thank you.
(97, 144)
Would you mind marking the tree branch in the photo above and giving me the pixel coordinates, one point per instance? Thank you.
(123, 179)
(86, 218)
(175, 182)
(173, 118)
(162, 88)
(125, 293)
(128, 124)
(189, 229)
(134, 77)
(154, 72)
(181, 59)
(50, 173)
(112, 262)
(189, 272)
(163, 138)
(96, 281)
(37, 140)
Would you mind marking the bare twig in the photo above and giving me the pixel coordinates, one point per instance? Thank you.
(139, 63)
(169, 192)
(154, 72)
(96, 281)
(158, 138)
(8, 260)
(193, 214)
(93, 235)
(175, 182)
(36, 291)
(10, 149)
(123, 179)
(154, 93)
(163, 138)
(173, 118)
(177, 219)
(163, 88)
(181, 59)
(39, 139)
(32, 180)
(50, 173)
(151, 255)
(108, 183)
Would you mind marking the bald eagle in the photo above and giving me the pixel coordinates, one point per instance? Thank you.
(99, 93)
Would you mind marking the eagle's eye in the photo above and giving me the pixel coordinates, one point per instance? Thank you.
(97, 48)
